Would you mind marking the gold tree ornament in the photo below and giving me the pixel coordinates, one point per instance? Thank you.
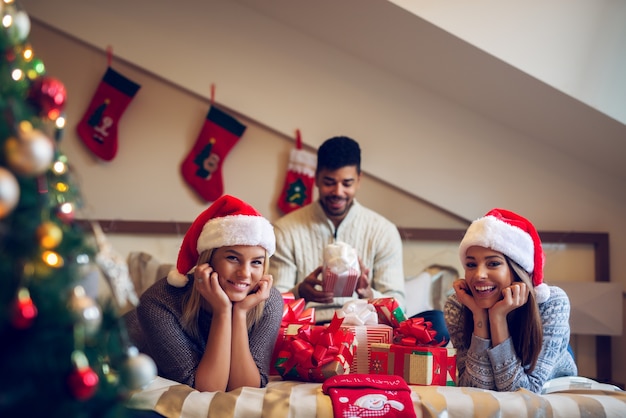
(9, 192)
(30, 152)
(15, 21)
(49, 235)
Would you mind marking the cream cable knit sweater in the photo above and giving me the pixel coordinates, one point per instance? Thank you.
(302, 235)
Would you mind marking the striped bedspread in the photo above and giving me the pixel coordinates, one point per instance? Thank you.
(306, 400)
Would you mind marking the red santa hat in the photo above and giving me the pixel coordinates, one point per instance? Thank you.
(514, 236)
(228, 221)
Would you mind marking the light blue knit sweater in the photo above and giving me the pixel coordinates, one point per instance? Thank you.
(499, 368)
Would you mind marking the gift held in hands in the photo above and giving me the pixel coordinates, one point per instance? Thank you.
(341, 269)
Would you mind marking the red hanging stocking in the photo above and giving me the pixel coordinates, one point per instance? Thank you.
(202, 168)
(367, 395)
(98, 127)
(298, 188)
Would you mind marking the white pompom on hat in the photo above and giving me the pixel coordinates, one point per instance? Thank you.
(514, 236)
(228, 221)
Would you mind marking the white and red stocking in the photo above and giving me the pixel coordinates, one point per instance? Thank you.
(369, 395)
(202, 168)
(98, 127)
(298, 188)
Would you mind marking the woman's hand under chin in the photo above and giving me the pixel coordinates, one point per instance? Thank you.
(207, 284)
(513, 297)
(255, 297)
(464, 295)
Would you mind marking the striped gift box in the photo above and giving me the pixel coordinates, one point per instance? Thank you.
(343, 284)
(365, 336)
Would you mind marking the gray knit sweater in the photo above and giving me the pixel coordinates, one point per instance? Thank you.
(302, 235)
(155, 328)
(499, 368)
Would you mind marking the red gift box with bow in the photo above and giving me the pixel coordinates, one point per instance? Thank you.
(316, 352)
(294, 315)
(415, 355)
(389, 311)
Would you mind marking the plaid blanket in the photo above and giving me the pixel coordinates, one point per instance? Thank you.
(304, 400)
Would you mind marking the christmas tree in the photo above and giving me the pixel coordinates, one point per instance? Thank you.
(63, 351)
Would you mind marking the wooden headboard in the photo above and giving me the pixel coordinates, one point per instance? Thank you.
(598, 241)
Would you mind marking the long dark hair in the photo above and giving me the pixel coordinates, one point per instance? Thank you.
(525, 325)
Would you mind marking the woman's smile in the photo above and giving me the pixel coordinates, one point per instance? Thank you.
(484, 290)
(238, 285)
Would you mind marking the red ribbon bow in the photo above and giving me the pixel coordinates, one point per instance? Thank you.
(315, 346)
(416, 331)
(294, 313)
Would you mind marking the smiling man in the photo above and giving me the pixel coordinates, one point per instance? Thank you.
(302, 235)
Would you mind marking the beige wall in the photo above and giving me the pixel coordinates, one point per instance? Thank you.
(158, 130)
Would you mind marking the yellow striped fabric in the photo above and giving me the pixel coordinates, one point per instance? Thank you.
(306, 400)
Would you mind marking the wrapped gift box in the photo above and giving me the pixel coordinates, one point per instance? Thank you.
(389, 311)
(294, 316)
(284, 334)
(341, 269)
(365, 336)
(452, 374)
(418, 365)
(316, 352)
(341, 285)
(315, 374)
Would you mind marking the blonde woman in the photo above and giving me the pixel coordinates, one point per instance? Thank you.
(212, 323)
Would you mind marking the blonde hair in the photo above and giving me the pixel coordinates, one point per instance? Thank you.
(192, 301)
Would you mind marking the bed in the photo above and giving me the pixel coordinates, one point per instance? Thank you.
(302, 400)
(299, 399)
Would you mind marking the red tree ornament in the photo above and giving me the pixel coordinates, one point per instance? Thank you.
(24, 310)
(83, 383)
(48, 95)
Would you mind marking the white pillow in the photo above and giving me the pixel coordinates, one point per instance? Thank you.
(565, 383)
(417, 294)
(144, 270)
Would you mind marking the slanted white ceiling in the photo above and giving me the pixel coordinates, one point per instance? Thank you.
(576, 46)
(400, 42)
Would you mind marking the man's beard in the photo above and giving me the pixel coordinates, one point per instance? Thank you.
(336, 212)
